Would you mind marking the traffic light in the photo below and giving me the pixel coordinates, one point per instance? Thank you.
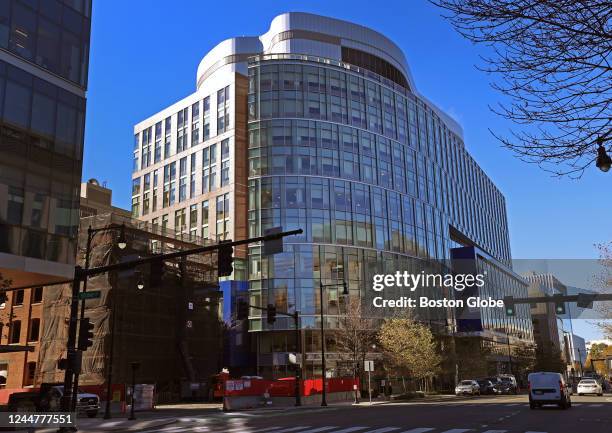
(243, 310)
(85, 334)
(3, 297)
(225, 260)
(509, 305)
(585, 300)
(271, 313)
(559, 306)
(156, 273)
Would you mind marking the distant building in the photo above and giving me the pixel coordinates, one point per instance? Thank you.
(96, 199)
(549, 328)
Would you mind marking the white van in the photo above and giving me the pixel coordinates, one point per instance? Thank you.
(548, 388)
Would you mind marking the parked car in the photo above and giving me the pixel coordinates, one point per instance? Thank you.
(497, 383)
(486, 387)
(466, 387)
(589, 386)
(509, 385)
(548, 388)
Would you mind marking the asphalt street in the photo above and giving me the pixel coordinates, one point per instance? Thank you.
(507, 414)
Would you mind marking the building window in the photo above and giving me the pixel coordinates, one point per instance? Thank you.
(179, 220)
(15, 332)
(167, 137)
(195, 125)
(192, 176)
(181, 131)
(37, 295)
(205, 219)
(31, 373)
(225, 163)
(183, 179)
(19, 295)
(206, 123)
(223, 217)
(193, 216)
(145, 203)
(169, 193)
(223, 110)
(34, 330)
(155, 182)
(164, 225)
(146, 148)
(157, 156)
(209, 168)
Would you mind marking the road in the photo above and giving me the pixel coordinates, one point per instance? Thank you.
(502, 414)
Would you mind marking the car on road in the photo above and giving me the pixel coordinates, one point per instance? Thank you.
(589, 386)
(487, 387)
(548, 388)
(48, 399)
(467, 387)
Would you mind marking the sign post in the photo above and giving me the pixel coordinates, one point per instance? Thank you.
(369, 367)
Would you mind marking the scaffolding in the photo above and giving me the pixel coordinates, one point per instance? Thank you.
(173, 329)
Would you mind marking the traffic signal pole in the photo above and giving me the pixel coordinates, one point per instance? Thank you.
(298, 345)
(72, 369)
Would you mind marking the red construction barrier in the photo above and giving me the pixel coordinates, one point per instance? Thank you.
(283, 387)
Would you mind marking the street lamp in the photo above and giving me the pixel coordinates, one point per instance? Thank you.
(603, 161)
(140, 284)
(323, 366)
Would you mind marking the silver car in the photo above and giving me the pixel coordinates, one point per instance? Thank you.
(466, 387)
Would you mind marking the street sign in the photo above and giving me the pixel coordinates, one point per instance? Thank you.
(273, 246)
(368, 365)
(95, 294)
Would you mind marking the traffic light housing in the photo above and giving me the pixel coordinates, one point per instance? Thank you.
(559, 306)
(509, 306)
(156, 273)
(86, 335)
(271, 310)
(225, 260)
(3, 297)
(243, 310)
(585, 300)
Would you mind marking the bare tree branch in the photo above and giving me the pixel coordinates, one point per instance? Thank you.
(551, 59)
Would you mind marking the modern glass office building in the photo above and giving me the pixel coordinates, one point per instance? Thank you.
(319, 126)
(44, 53)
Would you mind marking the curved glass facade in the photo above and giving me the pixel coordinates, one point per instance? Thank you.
(369, 171)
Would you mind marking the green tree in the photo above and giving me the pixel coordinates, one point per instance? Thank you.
(408, 348)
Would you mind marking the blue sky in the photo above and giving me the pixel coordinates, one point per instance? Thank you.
(144, 56)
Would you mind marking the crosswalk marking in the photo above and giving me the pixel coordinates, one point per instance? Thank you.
(596, 405)
(266, 429)
(419, 430)
(349, 430)
(513, 404)
(495, 431)
(287, 430)
(318, 429)
(457, 430)
(382, 430)
(173, 429)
